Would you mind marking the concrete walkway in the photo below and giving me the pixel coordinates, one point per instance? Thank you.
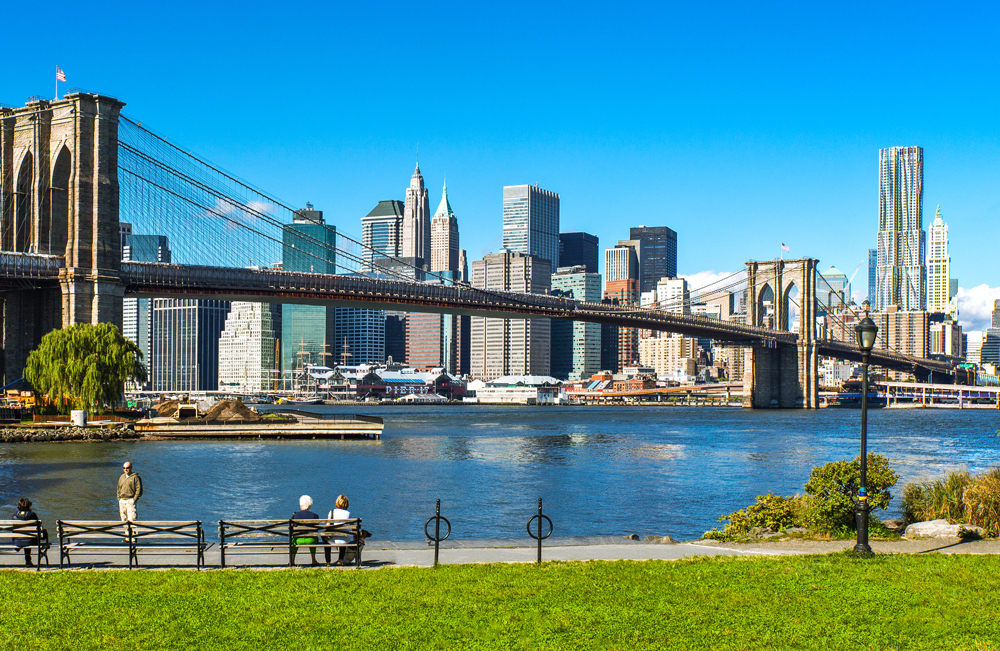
(420, 554)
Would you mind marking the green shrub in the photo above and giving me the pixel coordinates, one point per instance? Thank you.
(982, 502)
(770, 511)
(831, 490)
(942, 499)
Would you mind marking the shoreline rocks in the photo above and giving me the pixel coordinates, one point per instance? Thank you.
(119, 432)
(942, 529)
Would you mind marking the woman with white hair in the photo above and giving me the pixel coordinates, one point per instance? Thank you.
(305, 503)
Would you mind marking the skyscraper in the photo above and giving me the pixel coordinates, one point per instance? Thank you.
(416, 229)
(531, 222)
(621, 262)
(381, 232)
(248, 348)
(360, 336)
(576, 249)
(510, 346)
(186, 344)
(833, 288)
(872, 275)
(307, 331)
(137, 313)
(657, 254)
(621, 268)
(444, 236)
(576, 346)
(463, 265)
(938, 267)
(902, 270)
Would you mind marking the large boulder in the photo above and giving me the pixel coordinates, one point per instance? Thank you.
(942, 529)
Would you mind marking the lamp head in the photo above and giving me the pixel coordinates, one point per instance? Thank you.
(866, 331)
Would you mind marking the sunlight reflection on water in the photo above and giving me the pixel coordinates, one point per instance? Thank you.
(601, 470)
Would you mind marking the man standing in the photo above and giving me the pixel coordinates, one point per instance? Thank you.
(129, 492)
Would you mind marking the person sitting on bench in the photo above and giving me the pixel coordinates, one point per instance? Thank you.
(339, 513)
(305, 503)
(25, 513)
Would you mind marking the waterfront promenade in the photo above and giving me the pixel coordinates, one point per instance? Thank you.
(459, 552)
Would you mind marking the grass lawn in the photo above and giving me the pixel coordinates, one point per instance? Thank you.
(822, 602)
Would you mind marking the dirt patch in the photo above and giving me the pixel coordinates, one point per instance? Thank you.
(227, 410)
(167, 408)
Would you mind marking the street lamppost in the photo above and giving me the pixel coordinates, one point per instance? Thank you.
(865, 332)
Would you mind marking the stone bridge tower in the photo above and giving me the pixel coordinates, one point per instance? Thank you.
(59, 196)
(781, 294)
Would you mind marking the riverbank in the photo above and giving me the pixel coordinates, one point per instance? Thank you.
(121, 432)
(907, 601)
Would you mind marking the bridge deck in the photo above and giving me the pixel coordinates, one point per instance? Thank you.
(147, 279)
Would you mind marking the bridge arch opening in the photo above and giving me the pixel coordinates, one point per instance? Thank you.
(792, 308)
(21, 227)
(56, 227)
(765, 307)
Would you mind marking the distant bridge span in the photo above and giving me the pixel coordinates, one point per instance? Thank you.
(148, 279)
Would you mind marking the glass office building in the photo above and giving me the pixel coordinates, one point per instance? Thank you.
(657, 254)
(531, 222)
(137, 313)
(307, 331)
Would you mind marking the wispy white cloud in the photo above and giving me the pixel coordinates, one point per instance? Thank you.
(235, 215)
(711, 280)
(975, 306)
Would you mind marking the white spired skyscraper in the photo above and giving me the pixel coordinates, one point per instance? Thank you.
(901, 269)
(444, 236)
(938, 267)
(417, 220)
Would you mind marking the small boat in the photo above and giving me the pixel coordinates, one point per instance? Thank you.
(303, 400)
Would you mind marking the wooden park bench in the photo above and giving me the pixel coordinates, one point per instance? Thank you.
(14, 531)
(163, 537)
(327, 532)
(254, 537)
(113, 537)
(93, 537)
(278, 536)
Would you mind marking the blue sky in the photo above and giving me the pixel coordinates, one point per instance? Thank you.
(739, 126)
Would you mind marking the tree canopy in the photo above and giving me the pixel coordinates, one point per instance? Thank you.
(86, 364)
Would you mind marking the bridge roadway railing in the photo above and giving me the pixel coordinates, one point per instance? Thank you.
(28, 266)
(166, 280)
(155, 279)
(882, 357)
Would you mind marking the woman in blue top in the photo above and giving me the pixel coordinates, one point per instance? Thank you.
(305, 503)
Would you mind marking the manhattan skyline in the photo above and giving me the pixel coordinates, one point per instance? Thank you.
(738, 128)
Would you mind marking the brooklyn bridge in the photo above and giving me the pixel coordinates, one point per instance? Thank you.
(73, 170)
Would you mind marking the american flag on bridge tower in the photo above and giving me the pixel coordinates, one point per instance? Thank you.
(60, 75)
(784, 247)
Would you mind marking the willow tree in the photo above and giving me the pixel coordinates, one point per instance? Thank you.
(85, 365)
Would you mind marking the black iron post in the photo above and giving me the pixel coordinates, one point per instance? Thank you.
(861, 515)
(436, 538)
(539, 531)
(866, 331)
(437, 532)
(539, 536)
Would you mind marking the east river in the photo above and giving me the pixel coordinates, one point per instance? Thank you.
(600, 470)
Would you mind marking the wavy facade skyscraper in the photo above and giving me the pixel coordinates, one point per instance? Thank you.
(901, 262)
